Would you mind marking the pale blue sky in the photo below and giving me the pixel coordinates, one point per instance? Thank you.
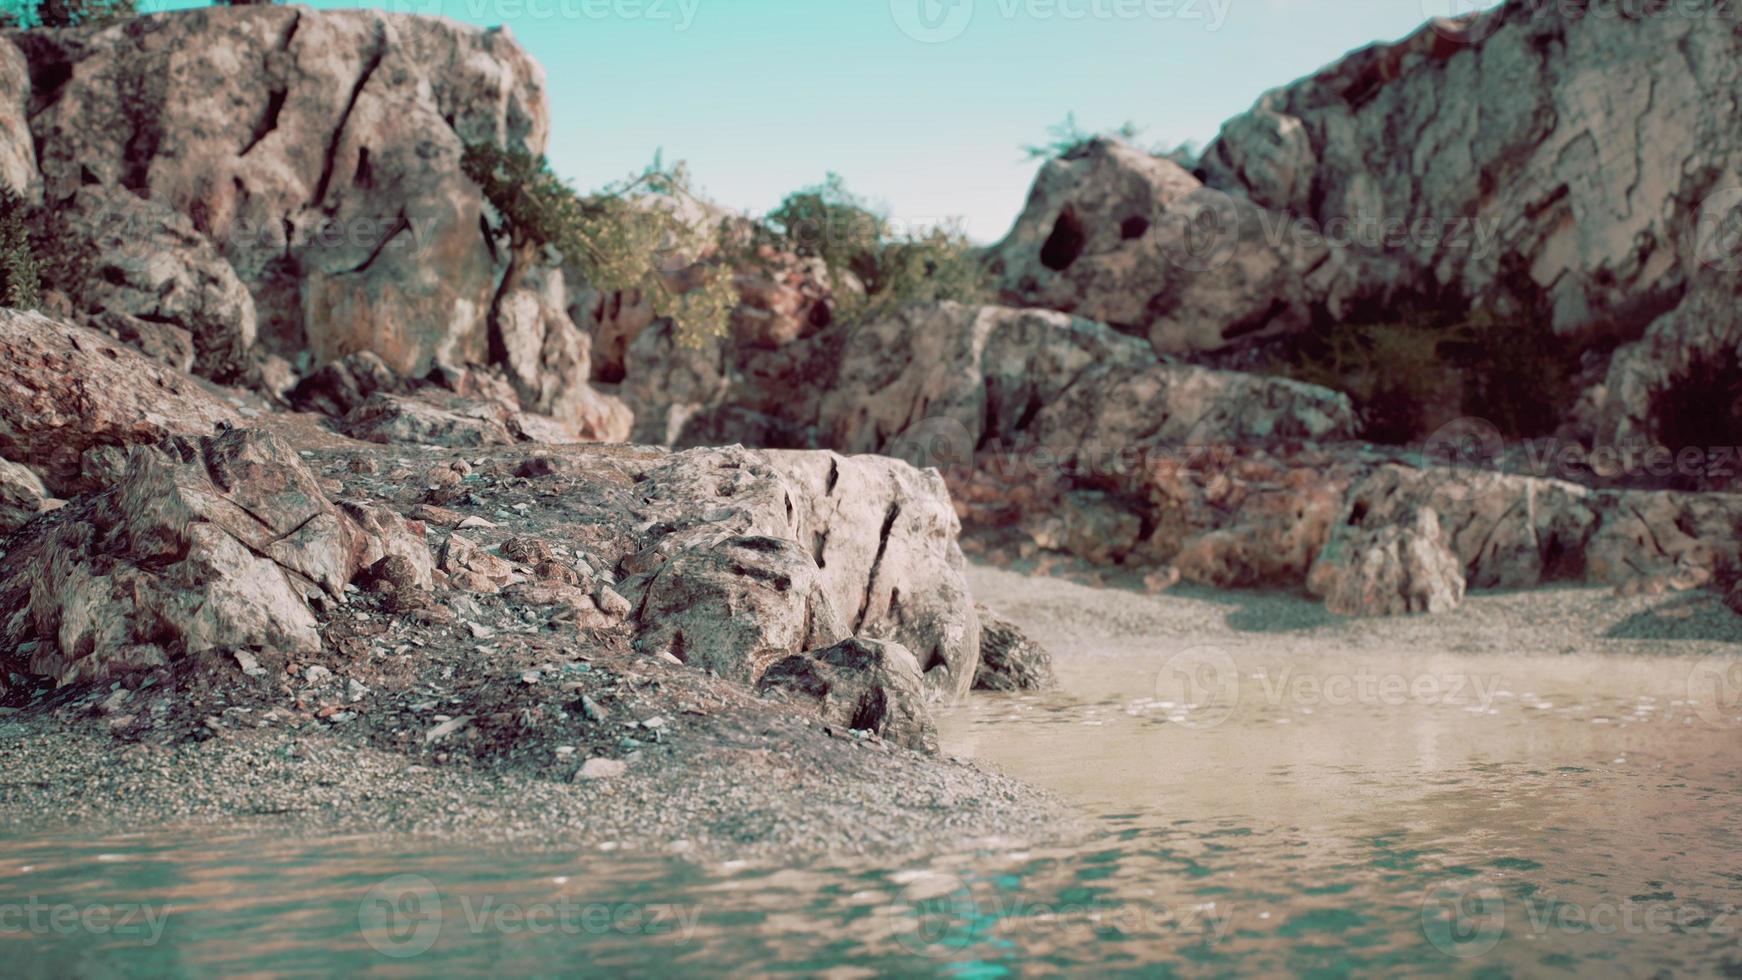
(765, 96)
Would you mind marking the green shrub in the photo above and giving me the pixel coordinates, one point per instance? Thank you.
(1067, 138)
(27, 14)
(19, 278)
(887, 269)
(626, 237)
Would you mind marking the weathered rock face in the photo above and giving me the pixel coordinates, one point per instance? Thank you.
(1389, 570)
(1580, 154)
(66, 390)
(1543, 163)
(317, 151)
(1513, 532)
(202, 545)
(155, 270)
(1112, 233)
(880, 535)
(883, 536)
(22, 496)
(861, 685)
(1009, 660)
(17, 151)
(932, 384)
(740, 606)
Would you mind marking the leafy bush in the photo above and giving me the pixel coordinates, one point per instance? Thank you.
(19, 279)
(629, 236)
(873, 268)
(27, 14)
(1410, 376)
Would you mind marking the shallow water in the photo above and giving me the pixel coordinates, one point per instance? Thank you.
(1316, 800)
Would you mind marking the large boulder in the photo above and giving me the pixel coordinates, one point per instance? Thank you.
(17, 150)
(1115, 234)
(1009, 660)
(1030, 378)
(153, 269)
(861, 685)
(880, 535)
(1543, 161)
(319, 153)
(1389, 570)
(738, 607)
(66, 390)
(208, 544)
(934, 383)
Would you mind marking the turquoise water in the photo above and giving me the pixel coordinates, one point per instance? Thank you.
(1334, 810)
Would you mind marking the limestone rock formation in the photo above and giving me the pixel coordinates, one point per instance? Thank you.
(933, 384)
(154, 270)
(202, 545)
(861, 685)
(1389, 570)
(318, 151)
(738, 607)
(1542, 164)
(880, 534)
(1009, 660)
(1114, 234)
(67, 390)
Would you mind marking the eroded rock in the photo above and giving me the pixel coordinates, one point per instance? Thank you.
(861, 685)
(1389, 570)
(1009, 660)
(66, 390)
(22, 496)
(202, 545)
(739, 606)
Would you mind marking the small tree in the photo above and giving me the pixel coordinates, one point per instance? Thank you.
(19, 279)
(626, 237)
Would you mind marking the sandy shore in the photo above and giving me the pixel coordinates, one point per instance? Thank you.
(732, 774)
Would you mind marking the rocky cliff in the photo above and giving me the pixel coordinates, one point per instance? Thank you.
(1571, 169)
(277, 188)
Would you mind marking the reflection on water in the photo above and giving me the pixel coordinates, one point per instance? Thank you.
(1280, 806)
